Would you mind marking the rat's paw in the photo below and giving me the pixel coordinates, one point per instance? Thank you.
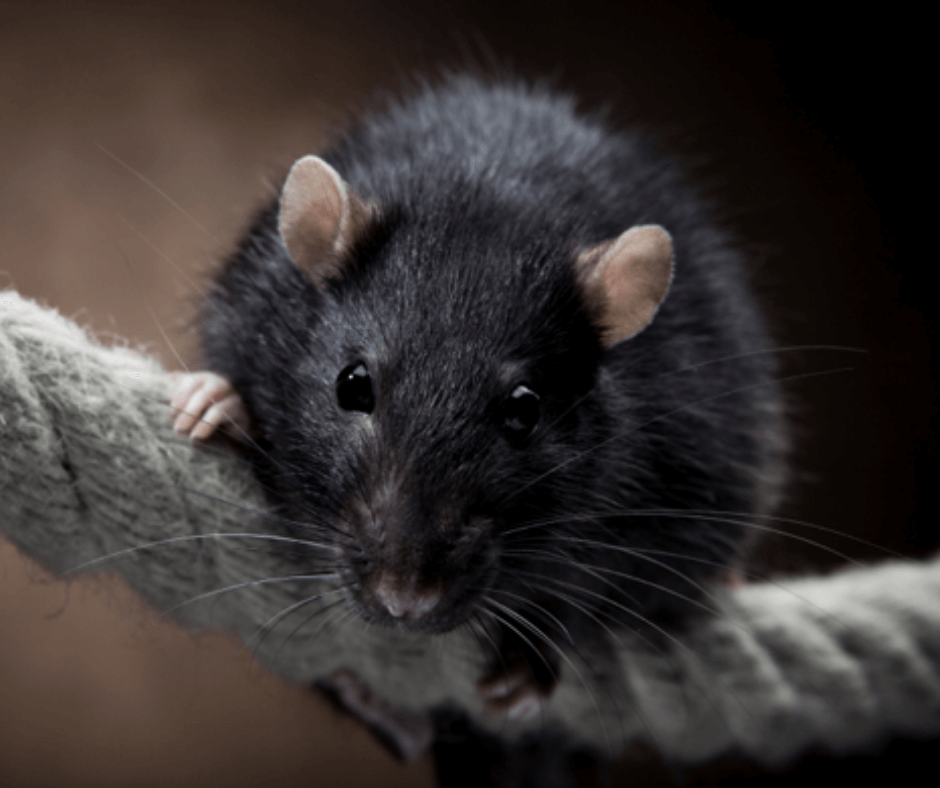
(408, 733)
(511, 687)
(204, 401)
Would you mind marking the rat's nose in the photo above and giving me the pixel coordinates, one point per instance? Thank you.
(406, 599)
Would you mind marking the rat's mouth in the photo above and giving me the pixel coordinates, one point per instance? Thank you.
(437, 623)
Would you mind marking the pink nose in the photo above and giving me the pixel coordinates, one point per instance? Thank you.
(406, 600)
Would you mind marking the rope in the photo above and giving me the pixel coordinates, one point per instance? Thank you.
(90, 470)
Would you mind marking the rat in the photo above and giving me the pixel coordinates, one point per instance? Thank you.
(500, 356)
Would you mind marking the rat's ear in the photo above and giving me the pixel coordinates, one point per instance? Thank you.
(320, 217)
(626, 279)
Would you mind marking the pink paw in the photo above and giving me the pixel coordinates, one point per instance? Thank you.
(511, 689)
(203, 402)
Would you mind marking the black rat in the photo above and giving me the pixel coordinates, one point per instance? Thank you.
(499, 357)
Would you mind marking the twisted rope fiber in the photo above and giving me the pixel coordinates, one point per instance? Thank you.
(89, 466)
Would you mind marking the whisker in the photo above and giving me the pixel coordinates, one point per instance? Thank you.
(153, 315)
(538, 633)
(626, 433)
(761, 577)
(156, 188)
(191, 538)
(672, 638)
(336, 614)
(268, 625)
(796, 537)
(538, 608)
(475, 619)
(769, 351)
(487, 600)
(268, 515)
(190, 282)
(247, 584)
(787, 520)
(568, 561)
(204, 295)
(706, 516)
(625, 609)
(584, 609)
(496, 649)
(650, 583)
(594, 572)
(502, 622)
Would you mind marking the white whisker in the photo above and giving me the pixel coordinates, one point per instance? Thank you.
(192, 538)
(620, 435)
(548, 641)
(156, 188)
(249, 584)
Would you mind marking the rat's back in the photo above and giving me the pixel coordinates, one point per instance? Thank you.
(523, 148)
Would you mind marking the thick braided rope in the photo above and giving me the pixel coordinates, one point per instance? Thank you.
(89, 467)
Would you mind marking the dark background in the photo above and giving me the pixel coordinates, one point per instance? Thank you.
(136, 138)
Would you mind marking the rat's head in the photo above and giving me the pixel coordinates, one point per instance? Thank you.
(449, 385)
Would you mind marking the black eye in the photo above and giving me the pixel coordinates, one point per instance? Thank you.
(521, 411)
(354, 389)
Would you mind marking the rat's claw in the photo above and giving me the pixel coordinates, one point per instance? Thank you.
(518, 697)
(228, 413)
(204, 401)
(513, 692)
(503, 686)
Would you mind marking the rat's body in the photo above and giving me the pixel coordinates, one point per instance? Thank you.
(444, 387)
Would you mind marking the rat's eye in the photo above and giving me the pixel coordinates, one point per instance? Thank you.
(521, 411)
(354, 389)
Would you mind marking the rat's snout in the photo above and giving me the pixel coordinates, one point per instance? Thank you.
(405, 598)
(404, 575)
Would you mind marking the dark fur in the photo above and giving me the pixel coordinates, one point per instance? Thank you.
(463, 288)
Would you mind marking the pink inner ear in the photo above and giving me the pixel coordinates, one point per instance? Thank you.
(311, 213)
(628, 280)
(320, 217)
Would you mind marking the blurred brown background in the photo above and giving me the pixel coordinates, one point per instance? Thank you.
(135, 139)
